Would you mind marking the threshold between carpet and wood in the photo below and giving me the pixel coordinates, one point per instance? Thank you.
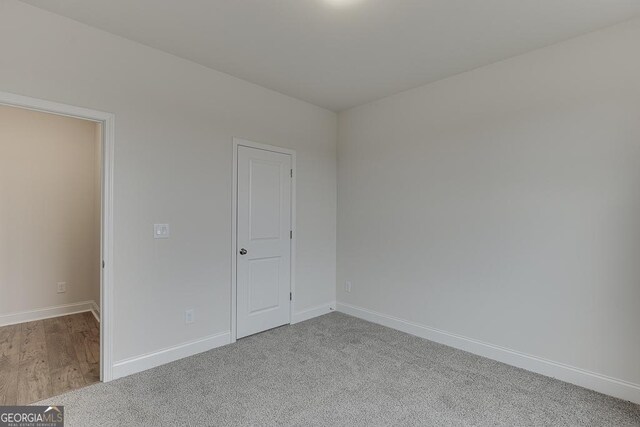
(340, 370)
(48, 357)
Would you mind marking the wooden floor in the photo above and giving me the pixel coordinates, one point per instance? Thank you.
(48, 357)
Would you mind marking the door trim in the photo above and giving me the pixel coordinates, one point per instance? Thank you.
(238, 142)
(108, 142)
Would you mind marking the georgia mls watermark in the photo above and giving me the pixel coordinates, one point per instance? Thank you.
(31, 416)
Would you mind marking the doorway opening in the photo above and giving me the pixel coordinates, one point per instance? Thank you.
(55, 248)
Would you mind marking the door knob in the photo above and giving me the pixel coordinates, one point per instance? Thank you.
(243, 251)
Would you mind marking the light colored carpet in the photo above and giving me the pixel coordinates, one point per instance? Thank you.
(339, 370)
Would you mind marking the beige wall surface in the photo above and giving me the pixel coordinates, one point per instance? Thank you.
(503, 204)
(48, 218)
(175, 121)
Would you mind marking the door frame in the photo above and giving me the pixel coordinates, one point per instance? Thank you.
(238, 142)
(106, 247)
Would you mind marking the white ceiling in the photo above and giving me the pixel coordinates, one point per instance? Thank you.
(341, 53)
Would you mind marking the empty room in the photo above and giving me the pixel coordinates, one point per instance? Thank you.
(320, 212)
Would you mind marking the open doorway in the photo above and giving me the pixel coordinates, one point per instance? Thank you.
(52, 247)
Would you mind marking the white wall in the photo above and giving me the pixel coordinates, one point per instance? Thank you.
(47, 216)
(503, 204)
(175, 121)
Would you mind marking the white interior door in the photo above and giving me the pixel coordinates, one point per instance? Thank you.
(263, 240)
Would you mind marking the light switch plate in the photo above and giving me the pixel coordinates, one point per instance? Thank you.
(62, 287)
(161, 231)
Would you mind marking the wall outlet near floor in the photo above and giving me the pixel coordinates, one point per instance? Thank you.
(347, 286)
(161, 231)
(189, 316)
(62, 287)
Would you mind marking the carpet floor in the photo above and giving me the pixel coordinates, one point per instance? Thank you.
(340, 370)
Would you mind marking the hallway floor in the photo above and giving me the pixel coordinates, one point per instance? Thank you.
(48, 357)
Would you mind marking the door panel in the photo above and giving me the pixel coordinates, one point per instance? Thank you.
(264, 200)
(263, 240)
(264, 280)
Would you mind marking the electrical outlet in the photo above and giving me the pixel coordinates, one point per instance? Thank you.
(161, 231)
(62, 287)
(347, 286)
(189, 316)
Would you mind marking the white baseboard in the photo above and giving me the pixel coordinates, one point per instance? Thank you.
(312, 312)
(151, 360)
(95, 310)
(45, 313)
(581, 377)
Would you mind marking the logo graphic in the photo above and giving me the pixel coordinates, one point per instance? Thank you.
(31, 416)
